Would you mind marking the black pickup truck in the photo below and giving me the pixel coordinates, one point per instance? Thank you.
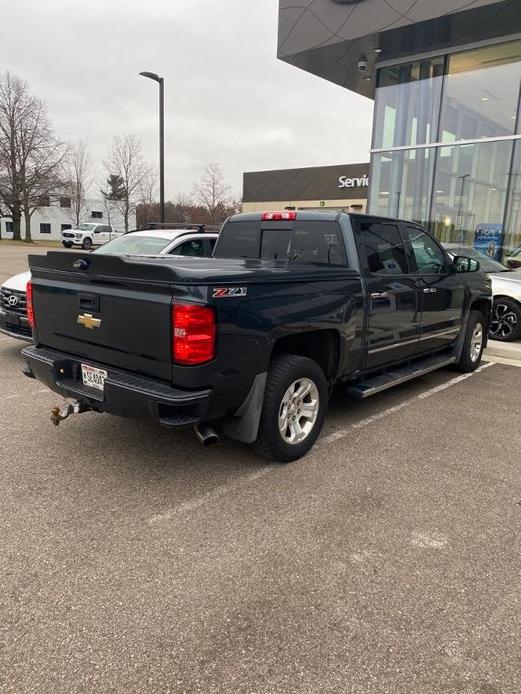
(255, 338)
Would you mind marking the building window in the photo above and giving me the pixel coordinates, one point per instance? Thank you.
(45, 228)
(65, 202)
(96, 214)
(407, 103)
(44, 201)
(464, 191)
(66, 226)
(481, 93)
(402, 184)
(9, 228)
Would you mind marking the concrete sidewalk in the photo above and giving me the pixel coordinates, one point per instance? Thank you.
(499, 351)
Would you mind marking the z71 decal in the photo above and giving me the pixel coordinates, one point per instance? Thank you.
(228, 292)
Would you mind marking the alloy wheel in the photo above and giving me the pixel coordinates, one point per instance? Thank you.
(476, 342)
(504, 321)
(298, 411)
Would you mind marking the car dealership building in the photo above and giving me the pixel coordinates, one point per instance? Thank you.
(343, 188)
(446, 78)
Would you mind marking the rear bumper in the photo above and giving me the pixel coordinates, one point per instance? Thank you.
(15, 325)
(125, 394)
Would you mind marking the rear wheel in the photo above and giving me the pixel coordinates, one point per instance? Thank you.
(473, 344)
(87, 244)
(505, 324)
(295, 403)
(66, 244)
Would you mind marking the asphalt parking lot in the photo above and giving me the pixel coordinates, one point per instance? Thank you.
(386, 561)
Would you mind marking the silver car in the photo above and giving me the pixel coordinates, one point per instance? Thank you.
(506, 288)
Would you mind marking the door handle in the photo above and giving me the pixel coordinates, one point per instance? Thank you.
(380, 295)
(430, 290)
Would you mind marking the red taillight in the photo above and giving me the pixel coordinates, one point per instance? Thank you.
(193, 333)
(29, 305)
(285, 216)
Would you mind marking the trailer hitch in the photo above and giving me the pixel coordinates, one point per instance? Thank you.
(75, 407)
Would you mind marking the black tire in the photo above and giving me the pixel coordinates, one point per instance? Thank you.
(505, 323)
(471, 357)
(66, 244)
(285, 371)
(87, 244)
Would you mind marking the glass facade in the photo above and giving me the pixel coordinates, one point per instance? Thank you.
(446, 150)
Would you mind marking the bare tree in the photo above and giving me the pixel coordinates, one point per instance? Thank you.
(126, 162)
(78, 180)
(148, 192)
(212, 191)
(31, 157)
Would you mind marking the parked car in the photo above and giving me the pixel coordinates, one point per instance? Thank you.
(13, 311)
(513, 260)
(88, 235)
(188, 240)
(184, 240)
(505, 324)
(290, 304)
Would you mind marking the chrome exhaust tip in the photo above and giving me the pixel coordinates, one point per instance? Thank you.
(206, 434)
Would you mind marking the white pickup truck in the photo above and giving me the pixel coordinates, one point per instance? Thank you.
(88, 235)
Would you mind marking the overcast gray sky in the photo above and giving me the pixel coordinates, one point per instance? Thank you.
(228, 98)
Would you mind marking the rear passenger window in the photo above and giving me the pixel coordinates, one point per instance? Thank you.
(383, 248)
(318, 242)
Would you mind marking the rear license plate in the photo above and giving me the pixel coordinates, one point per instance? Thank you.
(94, 378)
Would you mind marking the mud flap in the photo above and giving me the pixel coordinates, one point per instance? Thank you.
(244, 425)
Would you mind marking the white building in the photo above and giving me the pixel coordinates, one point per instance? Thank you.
(48, 221)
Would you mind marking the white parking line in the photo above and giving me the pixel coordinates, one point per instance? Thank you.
(219, 492)
(342, 433)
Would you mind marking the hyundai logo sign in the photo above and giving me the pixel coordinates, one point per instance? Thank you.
(13, 300)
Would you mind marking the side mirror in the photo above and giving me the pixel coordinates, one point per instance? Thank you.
(464, 264)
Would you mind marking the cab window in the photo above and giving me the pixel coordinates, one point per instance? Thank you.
(428, 256)
(383, 248)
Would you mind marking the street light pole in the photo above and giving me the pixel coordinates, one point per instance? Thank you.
(161, 82)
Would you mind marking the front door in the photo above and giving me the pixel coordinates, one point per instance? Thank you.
(442, 292)
(393, 315)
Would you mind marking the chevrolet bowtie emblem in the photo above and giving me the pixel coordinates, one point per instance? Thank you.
(88, 321)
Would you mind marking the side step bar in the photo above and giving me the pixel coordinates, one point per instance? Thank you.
(377, 384)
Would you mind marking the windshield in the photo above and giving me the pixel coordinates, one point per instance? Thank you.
(86, 227)
(486, 264)
(131, 244)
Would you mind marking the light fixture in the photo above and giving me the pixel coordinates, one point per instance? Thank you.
(368, 78)
(377, 51)
(439, 192)
(484, 98)
(384, 192)
(447, 221)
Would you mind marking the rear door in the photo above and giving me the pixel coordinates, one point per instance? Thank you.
(442, 291)
(101, 235)
(393, 296)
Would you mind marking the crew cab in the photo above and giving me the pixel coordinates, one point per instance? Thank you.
(88, 235)
(255, 337)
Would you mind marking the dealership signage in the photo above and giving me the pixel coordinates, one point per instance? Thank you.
(488, 239)
(348, 182)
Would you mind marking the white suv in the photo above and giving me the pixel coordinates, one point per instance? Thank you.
(88, 235)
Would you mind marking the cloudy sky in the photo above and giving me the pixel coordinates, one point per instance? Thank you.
(228, 98)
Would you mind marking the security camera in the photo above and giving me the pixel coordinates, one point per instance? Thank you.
(362, 64)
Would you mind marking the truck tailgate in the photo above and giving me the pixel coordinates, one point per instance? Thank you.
(101, 314)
